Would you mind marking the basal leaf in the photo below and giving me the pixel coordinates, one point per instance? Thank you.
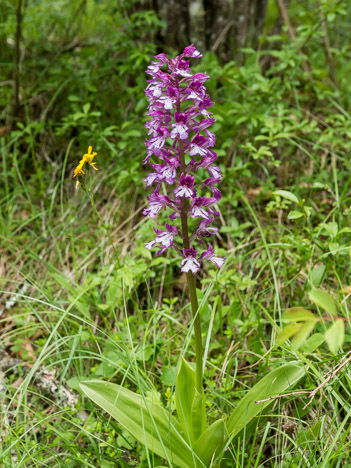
(147, 421)
(198, 415)
(184, 395)
(189, 403)
(211, 442)
(276, 382)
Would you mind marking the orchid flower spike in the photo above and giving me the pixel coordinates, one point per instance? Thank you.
(179, 125)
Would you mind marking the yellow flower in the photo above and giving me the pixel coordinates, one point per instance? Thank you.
(79, 169)
(87, 158)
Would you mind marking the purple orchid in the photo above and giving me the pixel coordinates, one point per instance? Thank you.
(185, 189)
(212, 257)
(205, 229)
(199, 145)
(198, 205)
(191, 51)
(190, 262)
(179, 125)
(164, 239)
(156, 203)
(180, 128)
(156, 143)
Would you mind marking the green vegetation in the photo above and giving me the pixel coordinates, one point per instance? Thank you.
(69, 312)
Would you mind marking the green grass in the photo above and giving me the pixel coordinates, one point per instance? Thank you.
(69, 313)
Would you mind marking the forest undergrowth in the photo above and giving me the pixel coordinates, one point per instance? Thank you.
(70, 313)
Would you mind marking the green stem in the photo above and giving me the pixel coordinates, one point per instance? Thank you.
(197, 330)
(190, 277)
(191, 283)
(92, 202)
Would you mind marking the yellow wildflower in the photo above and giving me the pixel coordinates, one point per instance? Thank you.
(87, 158)
(79, 169)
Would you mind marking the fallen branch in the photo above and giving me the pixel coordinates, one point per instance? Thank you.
(312, 393)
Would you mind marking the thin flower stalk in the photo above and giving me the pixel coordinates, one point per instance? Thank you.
(179, 151)
(81, 181)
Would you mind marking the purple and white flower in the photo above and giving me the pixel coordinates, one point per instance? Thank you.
(205, 229)
(156, 203)
(199, 145)
(156, 143)
(214, 171)
(180, 143)
(185, 189)
(190, 262)
(191, 51)
(198, 205)
(164, 239)
(182, 68)
(179, 128)
(212, 257)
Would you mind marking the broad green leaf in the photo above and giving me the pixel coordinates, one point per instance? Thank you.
(324, 300)
(211, 442)
(86, 107)
(335, 336)
(198, 415)
(185, 404)
(297, 314)
(184, 395)
(288, 195)
(276, 382)
(302, 335)
(317, 275)
(313, 342)
(74, 382)
(345, 230)
(331, 228)
(308, 210)
(288, 332)
(147, 421)
(295, 215)
(169, 376)
(113, 292)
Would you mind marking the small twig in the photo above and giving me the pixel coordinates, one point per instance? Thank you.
(328, 51)
(330, 376)
(222, 35)
(286, 19)
(284, 14)
(312, 393)
(17, 54)
(275, 397)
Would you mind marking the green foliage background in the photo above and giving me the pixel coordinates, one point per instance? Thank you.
(283, 123)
